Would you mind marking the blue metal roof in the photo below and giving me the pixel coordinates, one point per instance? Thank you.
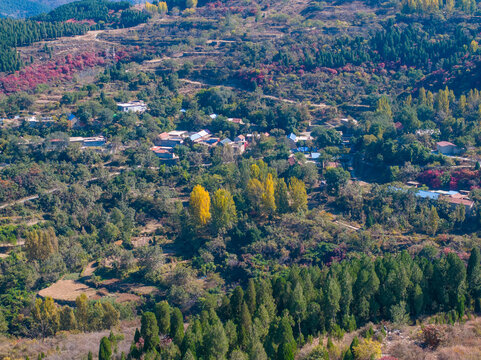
(427, 194)
(315, 155)
(226, 141)
(71, 117)
(292, 136)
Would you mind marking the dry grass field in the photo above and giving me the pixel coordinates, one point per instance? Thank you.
(66, 346)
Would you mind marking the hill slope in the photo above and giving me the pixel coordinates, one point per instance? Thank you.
(19, 9)
(27, 8)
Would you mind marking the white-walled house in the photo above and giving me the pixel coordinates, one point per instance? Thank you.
(133, 106)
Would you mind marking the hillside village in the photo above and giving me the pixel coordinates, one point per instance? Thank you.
(232, 180)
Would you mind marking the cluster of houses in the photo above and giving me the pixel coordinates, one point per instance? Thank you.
(452, 197)
(311, 153)
(37, 120)
(167, 141)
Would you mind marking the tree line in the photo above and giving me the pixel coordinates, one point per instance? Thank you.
(14, 33)
(271, 318)
(104, 12)
(266, 194)
(47, 318)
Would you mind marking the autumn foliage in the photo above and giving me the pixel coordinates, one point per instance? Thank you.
(59, 70)
(461, 179)
(200, 205)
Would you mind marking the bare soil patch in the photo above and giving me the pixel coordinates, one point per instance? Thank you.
(68, 290)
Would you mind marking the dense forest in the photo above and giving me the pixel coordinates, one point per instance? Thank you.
(16, 33)
(58, 23)
(101, 12)
(23, 9)
(270, 318)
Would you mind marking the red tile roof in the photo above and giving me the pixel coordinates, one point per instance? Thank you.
(445, 143)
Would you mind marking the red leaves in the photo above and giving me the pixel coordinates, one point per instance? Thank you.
(431, 178)
(461, 179)
(62, 69)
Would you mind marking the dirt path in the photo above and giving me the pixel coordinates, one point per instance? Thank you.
(350, 227)
(89, 269)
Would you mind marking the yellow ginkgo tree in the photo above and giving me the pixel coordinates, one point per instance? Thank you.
(199, 205)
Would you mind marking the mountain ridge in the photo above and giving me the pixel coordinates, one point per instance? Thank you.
(27, 8)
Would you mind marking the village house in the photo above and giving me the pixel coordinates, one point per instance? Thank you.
(459, 199)
(94, 141)
(225, 142)
(133, 106)
(453, 198)
(447, 148)
(235, 121)
(238, 145)
(240, 139)
(200, 136)
(163, 153)
(74, 122)
(170, 139)
(292, 140)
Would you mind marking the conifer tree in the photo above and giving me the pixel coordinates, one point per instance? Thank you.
(250, 296)
(162, 313)
(149, 331)
(217, 344)
(245, 327)
(177, 326)
(332, 298)
(236, 301)
(433, 221)
(473, 274)
(422, 96)
(105, 349)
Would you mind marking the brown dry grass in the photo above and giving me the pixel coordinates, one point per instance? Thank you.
(66, 345)
(67, 290)
(462, 342)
